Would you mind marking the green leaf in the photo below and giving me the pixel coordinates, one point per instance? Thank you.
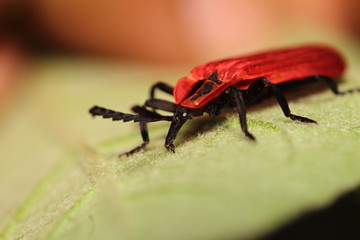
(61, 178)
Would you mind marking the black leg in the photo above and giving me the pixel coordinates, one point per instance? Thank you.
(142, 111)
(180, 116)
(241, 109)
(161, 105)
(145, 137)
(334, 86)
(161, 86)
(143, 117)
(150, 116)
(145, 114)
(281, 99)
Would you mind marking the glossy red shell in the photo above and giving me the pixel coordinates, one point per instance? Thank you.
(277, 66)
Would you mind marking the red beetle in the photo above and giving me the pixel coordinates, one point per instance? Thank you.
(235, 82)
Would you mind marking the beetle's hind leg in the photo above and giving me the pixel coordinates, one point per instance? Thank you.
(241, 109)
(258, 85)
(334, 86)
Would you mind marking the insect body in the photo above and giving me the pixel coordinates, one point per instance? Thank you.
(234, 82)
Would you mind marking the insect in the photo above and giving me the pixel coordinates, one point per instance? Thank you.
(235, 82)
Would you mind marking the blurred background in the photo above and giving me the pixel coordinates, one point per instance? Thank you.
(161, 31)
(60, 57)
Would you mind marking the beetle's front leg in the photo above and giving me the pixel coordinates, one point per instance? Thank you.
(181, 115)
(144, 117)
(159, 104)
(145, 137)
(161, 86)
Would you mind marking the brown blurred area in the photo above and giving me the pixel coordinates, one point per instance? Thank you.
(159, 31)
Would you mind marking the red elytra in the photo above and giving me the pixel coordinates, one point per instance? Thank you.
(277, 66)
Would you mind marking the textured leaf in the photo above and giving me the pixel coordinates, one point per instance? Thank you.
(61, 178)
